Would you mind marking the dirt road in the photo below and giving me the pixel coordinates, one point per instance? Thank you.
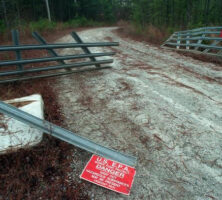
(155, 104)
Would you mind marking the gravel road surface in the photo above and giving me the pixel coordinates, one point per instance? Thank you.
(155, 104)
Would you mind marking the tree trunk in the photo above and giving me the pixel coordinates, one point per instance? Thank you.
(18, 12)
(5, 13)
(48, 10)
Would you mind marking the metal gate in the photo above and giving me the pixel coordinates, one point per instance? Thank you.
(24, 69)
(206, 40)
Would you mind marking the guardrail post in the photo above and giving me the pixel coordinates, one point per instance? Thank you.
(85, 49)
(199, 42)
(188, 42)
(15, 38)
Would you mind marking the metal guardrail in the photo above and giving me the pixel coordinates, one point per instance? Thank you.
(207, 40)
(9, 74)
(66, 135)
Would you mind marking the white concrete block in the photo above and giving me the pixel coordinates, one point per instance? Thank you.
(14, 134)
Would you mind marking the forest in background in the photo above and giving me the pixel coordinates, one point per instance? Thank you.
(170, 14)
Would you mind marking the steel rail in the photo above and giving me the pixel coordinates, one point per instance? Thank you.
(196, 45)
(197, 33)
(85, 49)
(56, 67)
(48, 59)
(57, 46)
(42, 41)
(66, 135)
(198, 38)
(51, 75)
(52, 52)
(192, 51)
(15, 38)
(200, 29)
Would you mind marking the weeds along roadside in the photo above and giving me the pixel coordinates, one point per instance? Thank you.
(148, 33)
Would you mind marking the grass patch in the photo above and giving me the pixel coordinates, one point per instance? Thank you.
(42, 25)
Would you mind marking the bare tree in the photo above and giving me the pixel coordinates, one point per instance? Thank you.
(48, 10)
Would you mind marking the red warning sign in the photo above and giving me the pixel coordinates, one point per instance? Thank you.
(221, 34)
(109, 174)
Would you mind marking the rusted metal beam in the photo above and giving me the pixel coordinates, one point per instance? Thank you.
(65, 135)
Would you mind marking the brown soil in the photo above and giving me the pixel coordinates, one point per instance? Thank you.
(204, 58)
(156, 39)
(50, 36)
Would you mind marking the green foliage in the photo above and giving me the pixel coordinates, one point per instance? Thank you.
(171, 30)
(2, 26)
(77, 22)
(192, 26)
(180, 14)
(42, 25)
(81, 22)
(139, 14)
